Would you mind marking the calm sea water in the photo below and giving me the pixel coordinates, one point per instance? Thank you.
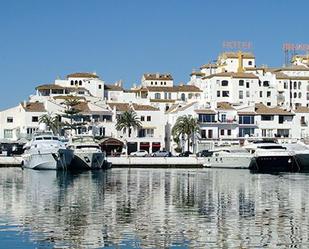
(150, 208)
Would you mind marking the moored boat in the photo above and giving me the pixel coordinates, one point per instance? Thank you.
(46, 151)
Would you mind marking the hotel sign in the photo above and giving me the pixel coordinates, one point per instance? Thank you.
(294, 47)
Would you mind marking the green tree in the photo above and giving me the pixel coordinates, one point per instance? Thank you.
(71, 111)
(128, 120)
(53, 122)
(185, 126)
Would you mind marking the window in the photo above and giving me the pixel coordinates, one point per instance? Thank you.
(183, 97)
(165, 95)
(72, 82)
(241, 82)
(80, 82)
(299, 85)
(203, 134)
(151, 82)
(246, 119)
(210, 133)
(225, 93)
(246, 131)
(157, 96)
(206, 118)
(169, 95)
(268, 103)
(100, 86)
(266, 83)
(285, 85)
(247, 94)
(218, 93)
(241, 95)
(148, 118)
(247, 85)
(261, 94)
(161, 83)
(190, 96)
(229, 132)
(307, 96)
(223, 118)
(295, 84)
(222, 132)
(295, 95)
(142, 118)
(35, 119)
(165, 83)
(250, 63)
(9, 119)
(268, 94)
(299, 95)
(224, 83)
(267, 117)
(155, 83)
(8, 133)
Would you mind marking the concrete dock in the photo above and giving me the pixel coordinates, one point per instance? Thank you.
(10, 161)
(156, 162)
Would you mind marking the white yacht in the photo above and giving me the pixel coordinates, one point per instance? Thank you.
(46, 151)
(87, 153)
(229, 158)
(301, 154)
(272, 157)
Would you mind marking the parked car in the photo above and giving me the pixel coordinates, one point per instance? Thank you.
(204, 153)
(139, 153)
(185, 154)
(161, 153)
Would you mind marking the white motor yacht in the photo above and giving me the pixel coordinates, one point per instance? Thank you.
(46, 151)
(87, 154)
(272, 157)
(228, 158)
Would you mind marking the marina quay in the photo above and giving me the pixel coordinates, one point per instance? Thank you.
(231, 101)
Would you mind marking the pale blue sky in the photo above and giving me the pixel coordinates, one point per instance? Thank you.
(123, 39)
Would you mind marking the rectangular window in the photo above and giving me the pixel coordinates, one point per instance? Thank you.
(267, 117)
(218, 93)
(246, 119)
(247, 94)
(142, 118)
(8, 133)
(148, 118)
(246, 131)
(206, 118)
(225, 93)
(241, 82)
(223, 118)
(35, 119)
(9, 119)
(210, 133)
(268, 94)
(241, 94)
(247, 84)
(222, 132)
(229, 132)
(261, 94)
(100, 86)
(203, 134)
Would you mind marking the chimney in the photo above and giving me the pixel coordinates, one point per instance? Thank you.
(240, 62)
(25, 103)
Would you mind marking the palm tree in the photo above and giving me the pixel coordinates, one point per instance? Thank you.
(185, 126)
(53, 122)
(128, 119)
(71, 111)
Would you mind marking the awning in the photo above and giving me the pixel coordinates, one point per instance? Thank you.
(110, 142)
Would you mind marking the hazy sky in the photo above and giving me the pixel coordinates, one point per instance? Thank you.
(40, 40)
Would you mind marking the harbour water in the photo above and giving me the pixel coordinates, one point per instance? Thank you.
(153, 208)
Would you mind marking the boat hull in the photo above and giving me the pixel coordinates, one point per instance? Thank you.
(236, 162)
(303, 162)
(274, 164)
(48, 160)
(87, 161)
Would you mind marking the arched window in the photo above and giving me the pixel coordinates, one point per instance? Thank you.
(224, 83)
(76, 82)
(295, 84)
(299, 84)
(80, 82)
(157, 96)
(295, 95)
(190, 96)
(299, 95)
(183, 97)
(72, 82)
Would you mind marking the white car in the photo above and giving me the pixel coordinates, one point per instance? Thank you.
(139, 153)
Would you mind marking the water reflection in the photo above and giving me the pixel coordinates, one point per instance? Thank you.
(147, 208)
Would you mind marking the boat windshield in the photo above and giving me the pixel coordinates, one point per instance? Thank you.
(83, 139)
(271, 147)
